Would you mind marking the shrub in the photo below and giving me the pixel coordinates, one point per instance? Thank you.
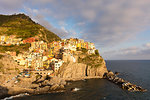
(96, 52)
(17, 52)
(78, 49)
(38, 76)
(1, 67)
(84, 50)
(1, 56)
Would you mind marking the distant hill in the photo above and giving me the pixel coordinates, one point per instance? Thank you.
(24, 27)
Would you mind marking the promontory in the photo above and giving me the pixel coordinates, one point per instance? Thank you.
(35, 60)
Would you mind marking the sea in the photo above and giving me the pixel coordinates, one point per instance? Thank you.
(135, 71)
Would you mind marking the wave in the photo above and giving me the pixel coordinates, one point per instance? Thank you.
(19, 95)
(76, 89)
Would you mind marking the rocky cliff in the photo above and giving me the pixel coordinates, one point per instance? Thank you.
(8, 68)
(87, 66)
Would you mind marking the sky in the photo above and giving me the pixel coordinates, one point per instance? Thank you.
(120, 29)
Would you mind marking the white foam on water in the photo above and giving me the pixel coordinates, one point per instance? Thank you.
(19, 95)
(76, 89)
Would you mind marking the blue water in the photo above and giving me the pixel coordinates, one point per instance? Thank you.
(137, 72)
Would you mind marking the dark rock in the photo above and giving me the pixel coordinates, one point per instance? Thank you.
(109, 74)
(122, 83)
(3, 92)
(117, 73)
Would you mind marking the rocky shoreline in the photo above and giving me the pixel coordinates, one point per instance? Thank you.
(122, 83)
(14, 82)
(54, 84)
(40, 86)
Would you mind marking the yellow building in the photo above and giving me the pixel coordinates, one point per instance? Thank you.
(46, 64)
(78, 45)
(43, 46)
(51, 52)
(6, 38)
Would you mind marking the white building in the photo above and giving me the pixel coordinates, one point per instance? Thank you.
(22, 62)
(54, 60)
(91, 51)
(72, 47)
(92, 46)
(67, 56)
(58, 64)
(45, 58)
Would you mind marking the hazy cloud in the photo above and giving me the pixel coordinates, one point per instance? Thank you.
(147, 45)
(39, 18)
(108, 21)
(140, 52)
(10, 6)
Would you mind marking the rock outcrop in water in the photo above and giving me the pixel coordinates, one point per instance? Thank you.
(123, 83)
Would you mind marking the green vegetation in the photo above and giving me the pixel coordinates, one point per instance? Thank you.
(8, 69)
(18, 80)
(96, 52)
(1, 67)
(17, 70)
(91, 60)
(38, 76)
(78, 49)
(16, 48)
(22, 26)
(84, 50)
(1, 56)
(17, 52)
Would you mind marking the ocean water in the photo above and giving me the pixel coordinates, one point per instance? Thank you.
(135, 71)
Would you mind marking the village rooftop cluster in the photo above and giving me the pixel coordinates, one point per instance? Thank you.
(46, 56)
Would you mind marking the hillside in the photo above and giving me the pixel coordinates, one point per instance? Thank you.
(24, 27)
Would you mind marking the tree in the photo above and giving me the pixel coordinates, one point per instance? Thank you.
(96, 52)
(78, 49)
(84, 50)
(17, 52)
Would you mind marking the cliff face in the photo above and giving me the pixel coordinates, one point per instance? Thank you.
(98, 71)
(8, 68)
(72, 70)
(88, 66)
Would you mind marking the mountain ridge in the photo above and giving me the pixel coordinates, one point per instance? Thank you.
(24, 27)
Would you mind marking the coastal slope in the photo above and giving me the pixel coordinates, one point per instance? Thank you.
(24, 27)
(88, 66)
(30, 66)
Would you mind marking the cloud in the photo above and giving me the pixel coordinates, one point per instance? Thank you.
(132, 53)
(81, 23)
(11, 6)
(107, 23)
(62, 23)
(39, 18)
(147, 45)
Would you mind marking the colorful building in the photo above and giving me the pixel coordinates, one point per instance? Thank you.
(29, 40)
